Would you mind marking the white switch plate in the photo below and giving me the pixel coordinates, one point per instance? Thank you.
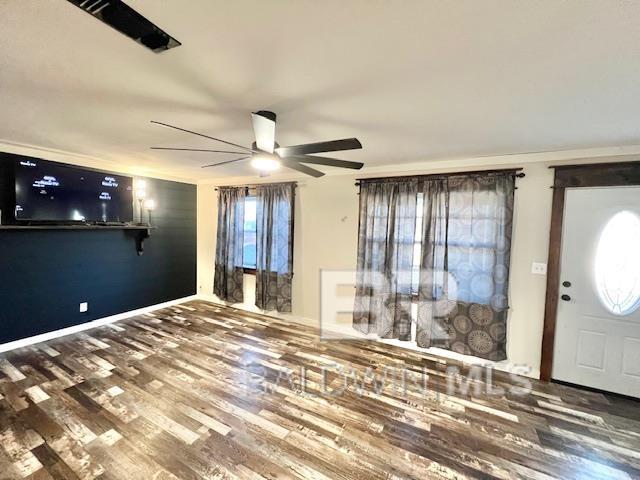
(84, 306)
(539, 268)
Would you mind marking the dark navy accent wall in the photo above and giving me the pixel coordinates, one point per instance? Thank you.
(45, 274)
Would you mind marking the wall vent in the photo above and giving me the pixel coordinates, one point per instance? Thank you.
(126, 20)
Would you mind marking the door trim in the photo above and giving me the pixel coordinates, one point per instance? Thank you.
(573, 176)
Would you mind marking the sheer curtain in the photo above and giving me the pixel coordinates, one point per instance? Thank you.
(274, 260)
(385, 256)
(463, 296)
(465, 244)
(433, 288)
(227, 280)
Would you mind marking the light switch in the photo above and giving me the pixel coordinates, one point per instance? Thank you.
(84, 307)
(539, 268)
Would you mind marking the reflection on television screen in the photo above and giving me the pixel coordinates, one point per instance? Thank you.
(51, 191)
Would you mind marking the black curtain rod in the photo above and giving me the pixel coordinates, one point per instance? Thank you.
(253, 185)
(515, 171)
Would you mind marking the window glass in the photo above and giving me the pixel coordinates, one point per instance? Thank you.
(617, 265)
(249, 247)
(417, 245)
(472, 236)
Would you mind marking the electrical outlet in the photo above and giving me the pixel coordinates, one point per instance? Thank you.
(84, 307)
(539, 268)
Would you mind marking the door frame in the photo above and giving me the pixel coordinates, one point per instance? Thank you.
(573, 176)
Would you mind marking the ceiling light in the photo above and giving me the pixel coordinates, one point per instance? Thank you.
(265, 163)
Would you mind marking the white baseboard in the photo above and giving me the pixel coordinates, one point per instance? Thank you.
(43, 337)
(253, 309)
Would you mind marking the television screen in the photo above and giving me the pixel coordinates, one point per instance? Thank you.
(50, 191)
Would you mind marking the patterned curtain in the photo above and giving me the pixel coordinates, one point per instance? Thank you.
(467, 232)
(274, 249)
(385, 258)
(227, 281)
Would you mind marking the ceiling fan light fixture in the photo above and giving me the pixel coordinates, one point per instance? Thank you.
(265, 163)
(266, 155)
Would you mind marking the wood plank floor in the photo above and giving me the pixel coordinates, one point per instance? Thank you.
(200, 391)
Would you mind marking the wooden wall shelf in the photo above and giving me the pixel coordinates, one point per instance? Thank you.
(142, 232)
(76, 227)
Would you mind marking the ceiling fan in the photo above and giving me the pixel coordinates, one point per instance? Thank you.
(266, 155)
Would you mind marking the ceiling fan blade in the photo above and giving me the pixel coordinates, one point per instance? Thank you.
(228, 161)
(264, 129)
(195, 150)
(331, 162)
(320, 147)
(294, 165)
(202, 135)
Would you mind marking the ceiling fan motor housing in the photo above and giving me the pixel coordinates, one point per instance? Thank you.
(255, 147)
(267, 114)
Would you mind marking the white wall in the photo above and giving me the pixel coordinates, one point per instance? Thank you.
(326, 238)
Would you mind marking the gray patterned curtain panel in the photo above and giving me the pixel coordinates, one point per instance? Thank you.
(461, 251)
(227, 280)
(466, 246)
(274, 249)
(385, 257)
(432, 325)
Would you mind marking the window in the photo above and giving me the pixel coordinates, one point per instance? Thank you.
(417, 251)
(471, 244)
(617, 264)
(249, 246)
(417, 246)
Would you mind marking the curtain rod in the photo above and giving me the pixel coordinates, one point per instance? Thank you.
(449, 174)
(253, 185)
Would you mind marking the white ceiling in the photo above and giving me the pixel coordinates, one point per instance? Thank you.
(413, 80)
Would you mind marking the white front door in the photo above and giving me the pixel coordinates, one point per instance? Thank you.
(597, 340)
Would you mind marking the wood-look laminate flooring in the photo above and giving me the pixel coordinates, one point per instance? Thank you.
(179, 393)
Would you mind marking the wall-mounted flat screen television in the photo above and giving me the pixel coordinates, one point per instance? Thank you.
(50, 191)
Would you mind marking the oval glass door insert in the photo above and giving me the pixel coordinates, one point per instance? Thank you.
(617, 264)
